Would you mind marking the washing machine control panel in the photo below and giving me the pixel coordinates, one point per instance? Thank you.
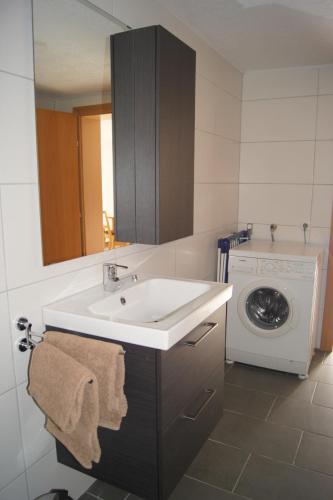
(286, 269)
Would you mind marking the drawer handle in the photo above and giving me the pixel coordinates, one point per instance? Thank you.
(194, 343)
(211, 393)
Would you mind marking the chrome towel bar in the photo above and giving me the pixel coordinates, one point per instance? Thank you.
(27, 342)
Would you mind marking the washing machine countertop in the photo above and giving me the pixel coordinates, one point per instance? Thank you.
(283, 250)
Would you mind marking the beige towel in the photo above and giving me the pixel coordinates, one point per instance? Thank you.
(106, 361)
(67, 392)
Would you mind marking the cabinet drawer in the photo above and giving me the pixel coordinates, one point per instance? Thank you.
(184, 438)
(189, 363)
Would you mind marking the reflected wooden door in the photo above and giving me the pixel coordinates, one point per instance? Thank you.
(91, 182)
(59, 185)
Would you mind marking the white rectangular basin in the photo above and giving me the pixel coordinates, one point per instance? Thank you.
(148, 301)
(153, 312)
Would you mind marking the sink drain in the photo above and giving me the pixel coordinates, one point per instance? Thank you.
(123, 300)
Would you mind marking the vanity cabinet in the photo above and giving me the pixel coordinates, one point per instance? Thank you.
(175, 400)
(153, 96)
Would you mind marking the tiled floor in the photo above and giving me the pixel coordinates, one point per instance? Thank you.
(274, 442)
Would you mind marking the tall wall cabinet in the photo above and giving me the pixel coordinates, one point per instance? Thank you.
(153, 94)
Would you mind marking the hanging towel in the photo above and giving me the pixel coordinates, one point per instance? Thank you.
(106, 361)
(66, 391)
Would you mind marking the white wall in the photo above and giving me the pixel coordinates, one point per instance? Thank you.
(286, 173)
(27, 457)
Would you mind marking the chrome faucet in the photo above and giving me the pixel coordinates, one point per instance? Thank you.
(111, 281)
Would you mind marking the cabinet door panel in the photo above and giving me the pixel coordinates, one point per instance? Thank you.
(175, 136)
(183, 368)
(145, 129)
(183, 440)
(123, 135)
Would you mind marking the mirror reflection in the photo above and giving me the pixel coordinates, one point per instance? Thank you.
(74, 127)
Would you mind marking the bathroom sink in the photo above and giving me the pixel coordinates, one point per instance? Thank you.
(153, 312)
(149, 301)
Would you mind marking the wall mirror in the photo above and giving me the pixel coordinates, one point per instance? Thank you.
(74, 127)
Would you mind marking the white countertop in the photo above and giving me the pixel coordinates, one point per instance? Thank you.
(284, 250)
(72, 313)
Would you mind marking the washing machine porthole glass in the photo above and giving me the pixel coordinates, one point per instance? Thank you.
(267, 308)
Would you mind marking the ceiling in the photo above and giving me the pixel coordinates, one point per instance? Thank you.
(262, 34)
(71, 48)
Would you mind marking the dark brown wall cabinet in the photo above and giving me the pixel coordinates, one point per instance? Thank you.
(153, 94)
(174, 402)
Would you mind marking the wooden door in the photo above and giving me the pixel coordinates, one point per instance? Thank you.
(91, 173)
(59, 185)
(327, 333)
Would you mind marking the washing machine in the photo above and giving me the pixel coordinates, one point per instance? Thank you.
(272, 317)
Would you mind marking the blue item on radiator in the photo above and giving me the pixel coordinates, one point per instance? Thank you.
(224, 244)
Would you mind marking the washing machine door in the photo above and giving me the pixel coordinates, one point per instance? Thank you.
(267, 309)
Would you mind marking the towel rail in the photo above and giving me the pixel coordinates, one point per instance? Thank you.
(27, 342)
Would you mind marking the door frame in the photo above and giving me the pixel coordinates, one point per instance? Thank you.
(327, 330)
(82, 111)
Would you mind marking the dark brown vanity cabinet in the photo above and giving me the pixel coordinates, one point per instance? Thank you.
(174, 402)
(153, 99)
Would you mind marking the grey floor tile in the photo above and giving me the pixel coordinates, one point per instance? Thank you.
(316, 453)
(252, 434)
(265, 479)
(273, 382)
(106, 491)
(250, 402)
(86, 496)
(218, 465)
(323, 395)
(190, 489)
(323, 373)
(303, 415)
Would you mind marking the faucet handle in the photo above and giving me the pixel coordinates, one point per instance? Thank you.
(111, 271)
(109, 264)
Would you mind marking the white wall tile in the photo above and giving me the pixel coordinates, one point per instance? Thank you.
(279, 119)
(215, 205)
(325, 117)
(205, 104)
(285, 82)
(159, 261)
(216, 159)
(211, 65)
(195, 256)
(17, 490)
(37, 442)
(322, 206)
(11, 456)
(48, 473)
(228, 116)
(282, 233)
(227, 159)
(7, 378)
(28, 301)
(324, 162)
(326, 79)
(277, 162)
(275, 203)
(3, 281)
(20, 208)
(321, 236)
(16, 37)
(18, 144)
